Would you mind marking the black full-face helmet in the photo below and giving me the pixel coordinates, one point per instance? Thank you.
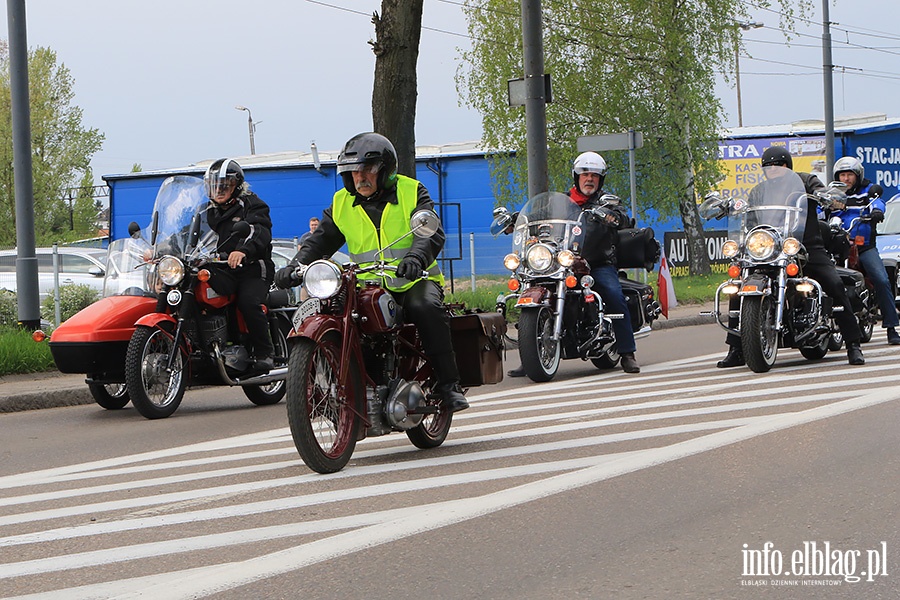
(368, 151)
(221, 173)
(777, 156)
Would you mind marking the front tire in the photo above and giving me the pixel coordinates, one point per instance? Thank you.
(759, 339)
(154, 392)
(271, 393)
(538, 351)
(323, 421)
(112, 396)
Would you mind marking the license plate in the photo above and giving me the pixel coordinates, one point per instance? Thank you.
(308, 308)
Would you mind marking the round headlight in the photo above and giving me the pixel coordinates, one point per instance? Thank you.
(730, 249)
(791, 246)
(760, 245)
(322, 279)
(539, 257)
(170, 270)
(566, 258)
(511, 261)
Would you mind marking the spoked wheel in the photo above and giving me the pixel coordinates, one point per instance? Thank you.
(154, 391)
(759, 339)
(111, 396)
(322, 418)
(867, 322)
(538, 351)
(271, 393)
(433, 429)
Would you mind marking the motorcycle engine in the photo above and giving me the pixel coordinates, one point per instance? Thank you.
(403, 397)
(236, 358)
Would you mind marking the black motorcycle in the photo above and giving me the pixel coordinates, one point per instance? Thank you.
(559, 315)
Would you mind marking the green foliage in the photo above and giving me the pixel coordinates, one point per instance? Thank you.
(9, 310)
(20, 354)
(61, 149)
(72, 298)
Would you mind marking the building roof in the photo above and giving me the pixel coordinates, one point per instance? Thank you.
(860, 123)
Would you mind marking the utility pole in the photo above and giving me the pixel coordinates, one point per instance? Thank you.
(535, 98)
(827, 74)
(27, 294)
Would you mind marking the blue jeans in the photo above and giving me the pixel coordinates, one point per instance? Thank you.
(606, 283)
(871, 262)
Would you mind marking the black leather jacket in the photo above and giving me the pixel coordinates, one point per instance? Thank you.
(600, 237)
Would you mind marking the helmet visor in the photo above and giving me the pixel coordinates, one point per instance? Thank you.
(370, 167)
(587, 169)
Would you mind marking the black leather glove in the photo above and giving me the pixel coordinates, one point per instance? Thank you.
(411, 267)
(877, 216)
(284, 278)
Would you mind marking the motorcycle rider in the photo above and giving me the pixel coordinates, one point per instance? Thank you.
(250, 258)
(819, 267)
(864, 200)
(375, 205)
(588, 175)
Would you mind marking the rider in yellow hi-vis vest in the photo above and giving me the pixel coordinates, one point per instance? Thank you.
(373, 209)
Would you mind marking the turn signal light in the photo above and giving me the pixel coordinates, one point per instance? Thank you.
(734, 271)
(38, 336)
(513, 285)
(571, 281)
(792, 269)
(203, 275)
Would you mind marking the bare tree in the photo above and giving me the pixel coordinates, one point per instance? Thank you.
(396, 47)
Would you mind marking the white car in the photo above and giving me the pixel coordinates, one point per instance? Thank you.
(76, 265)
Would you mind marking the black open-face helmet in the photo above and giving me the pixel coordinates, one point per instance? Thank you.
(368, 151)
(220, 173)
(777, 156)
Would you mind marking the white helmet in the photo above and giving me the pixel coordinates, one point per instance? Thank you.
(848, 163)
(589, 162)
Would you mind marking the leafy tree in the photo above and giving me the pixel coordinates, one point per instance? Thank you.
(396, 47)
(649, 65)
(61, 146)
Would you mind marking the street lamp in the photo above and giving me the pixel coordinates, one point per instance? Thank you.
(746, 26)
(250, 126)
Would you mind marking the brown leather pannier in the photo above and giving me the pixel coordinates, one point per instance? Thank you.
(478, 345)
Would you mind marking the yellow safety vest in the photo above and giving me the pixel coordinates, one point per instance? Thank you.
(363, 241)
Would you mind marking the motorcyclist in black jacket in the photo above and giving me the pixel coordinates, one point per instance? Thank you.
(819, 266)
(251, 269)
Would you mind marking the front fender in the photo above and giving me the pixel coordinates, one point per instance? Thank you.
(154, 319)
(316, 327)
(533, 297)
(756, 284)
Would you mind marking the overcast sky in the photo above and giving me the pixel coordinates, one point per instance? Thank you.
(161, 79)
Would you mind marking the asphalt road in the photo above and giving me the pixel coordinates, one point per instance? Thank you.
(665, 484)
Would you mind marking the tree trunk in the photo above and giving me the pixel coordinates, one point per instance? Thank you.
(396, 47)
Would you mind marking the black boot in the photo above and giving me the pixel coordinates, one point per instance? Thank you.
(517, 372)
(854, 354)
(452, 398)
(629, 364)
(264, 365)
(734, 358)
(893, 336)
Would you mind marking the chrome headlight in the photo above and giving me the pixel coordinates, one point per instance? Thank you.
(539, 258)
(730, 249)
(760, 245)
(322, 279)
(511, 261)
(566, 258)
(170, 270)
(791, 246)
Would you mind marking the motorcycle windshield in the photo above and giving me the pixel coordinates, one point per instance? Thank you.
(549, 218)
(127, 272)
(779, 202)
(179, 218)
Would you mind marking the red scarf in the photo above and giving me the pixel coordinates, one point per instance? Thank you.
(577, 197)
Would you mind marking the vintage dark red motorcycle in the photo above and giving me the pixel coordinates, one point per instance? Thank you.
(357, 370)
(160, 326)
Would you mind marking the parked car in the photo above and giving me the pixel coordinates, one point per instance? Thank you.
(76, 265)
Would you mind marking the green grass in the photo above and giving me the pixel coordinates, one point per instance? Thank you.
(20, 354)
(694, 289)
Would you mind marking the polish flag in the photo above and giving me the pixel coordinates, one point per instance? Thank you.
(666, 289)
